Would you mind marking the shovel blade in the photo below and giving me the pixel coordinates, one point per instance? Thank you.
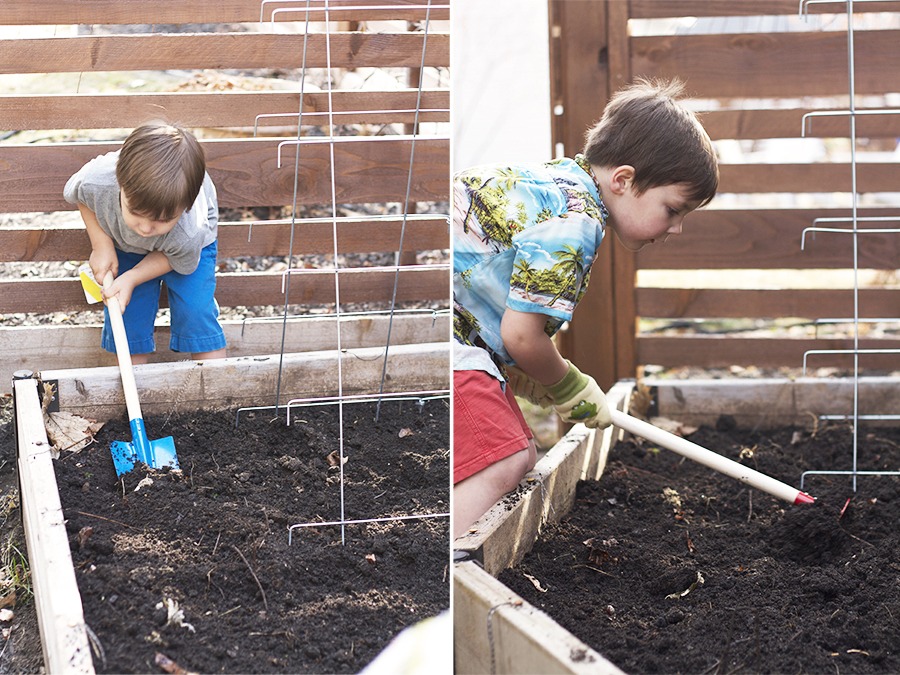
(157, 454)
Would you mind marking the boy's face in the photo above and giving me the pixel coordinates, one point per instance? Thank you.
(142, 225)
(649, 217)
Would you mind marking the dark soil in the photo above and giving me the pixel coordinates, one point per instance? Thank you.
(214, 539)
(786, 589)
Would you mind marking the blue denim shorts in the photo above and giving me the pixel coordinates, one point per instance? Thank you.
(193, 308)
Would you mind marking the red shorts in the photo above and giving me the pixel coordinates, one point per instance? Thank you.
(487, 423)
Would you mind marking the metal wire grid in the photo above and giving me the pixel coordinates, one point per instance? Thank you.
(852, 113)
(323, 7)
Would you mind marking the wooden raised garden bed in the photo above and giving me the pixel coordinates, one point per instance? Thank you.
(513, 625)
(177, 390)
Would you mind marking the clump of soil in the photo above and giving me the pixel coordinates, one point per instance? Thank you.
(665, 566)
(197, 566)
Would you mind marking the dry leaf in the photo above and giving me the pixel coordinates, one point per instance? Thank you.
(405, 432)
(168, 665)
(371, 557)
(70, 432)
(146, 481)
(333, 458)
(673, 426)
(83, 535)
(6, 615)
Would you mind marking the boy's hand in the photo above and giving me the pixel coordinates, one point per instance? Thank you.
(525, 386)
(103, 261)
(577, 398)
(120, 287)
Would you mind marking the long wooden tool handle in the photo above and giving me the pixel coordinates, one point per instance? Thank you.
(123, 353)
(709, 458)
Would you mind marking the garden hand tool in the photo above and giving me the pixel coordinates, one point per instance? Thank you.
(709, 458)
(157, 454)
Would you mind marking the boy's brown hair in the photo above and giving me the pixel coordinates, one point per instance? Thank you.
(160, 169)
(644, 126)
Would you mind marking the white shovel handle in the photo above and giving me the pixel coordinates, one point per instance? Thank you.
(123, 353)
(708, 458)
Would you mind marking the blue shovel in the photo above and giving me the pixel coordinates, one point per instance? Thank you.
(157, 454)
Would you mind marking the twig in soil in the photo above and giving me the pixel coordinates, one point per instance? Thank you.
(108, 520)
(210, 582)
(253, 574)
(229, 611)
(750, 509)
(216, 545)
(591, 567)
(96, 646)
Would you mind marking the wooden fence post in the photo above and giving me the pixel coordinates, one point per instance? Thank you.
(589, 61)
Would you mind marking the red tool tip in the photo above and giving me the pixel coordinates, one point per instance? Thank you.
(803, 498)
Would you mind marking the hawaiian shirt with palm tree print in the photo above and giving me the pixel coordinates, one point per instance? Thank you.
(524, 237)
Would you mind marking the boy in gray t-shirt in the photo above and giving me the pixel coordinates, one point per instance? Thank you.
(151, 214)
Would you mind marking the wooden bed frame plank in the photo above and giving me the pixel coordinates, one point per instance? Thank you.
(503, 536)
(252, 380)
(61, 346)
(58, 602)
(525, 639)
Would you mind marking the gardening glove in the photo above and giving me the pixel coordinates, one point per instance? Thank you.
(525, 386)
(577, 398)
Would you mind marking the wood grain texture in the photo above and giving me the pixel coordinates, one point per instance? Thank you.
(37, 12)
(167, 51)
(252, 289)
(246, 172)
(764, 65)
(251, 238)
(220, 109)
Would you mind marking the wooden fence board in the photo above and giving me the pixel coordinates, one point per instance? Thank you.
(790, 177)
(220, 109)
(770, 239)
(770, 64)
(246, 174)
(748, 124)
(219, 51)
(258, 238)
(739, 303)
(649, 9)
(716, 351)
(37, 12)
(364, 285)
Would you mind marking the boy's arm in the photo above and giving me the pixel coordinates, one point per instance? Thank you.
(103, 251)
(530, 347)
(575, 396)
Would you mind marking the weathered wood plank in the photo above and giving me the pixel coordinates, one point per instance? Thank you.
(246, 171)
(522, 639)
(832, 177)
(252, 380)
(764, 303)
(57, 600)
(52, 12)
(771, 64)
(250, 238)
(252, 288)
(220, 109)
(770, 239)
(788, 123)
(769, 403)
(221, 50)
(503, 535)
(56, 347)
(650, 9)
(717, 351)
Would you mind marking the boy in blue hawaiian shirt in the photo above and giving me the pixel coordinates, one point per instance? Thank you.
(524, 239)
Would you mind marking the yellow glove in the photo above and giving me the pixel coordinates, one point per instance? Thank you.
(577, 398)
(528, 388)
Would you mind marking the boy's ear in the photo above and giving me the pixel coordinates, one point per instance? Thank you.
(620, 178)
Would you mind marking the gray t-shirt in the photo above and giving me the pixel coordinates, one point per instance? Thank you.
(95, 186)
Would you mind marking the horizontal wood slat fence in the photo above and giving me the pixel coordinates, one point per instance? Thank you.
(754, 69)
(231, 71)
